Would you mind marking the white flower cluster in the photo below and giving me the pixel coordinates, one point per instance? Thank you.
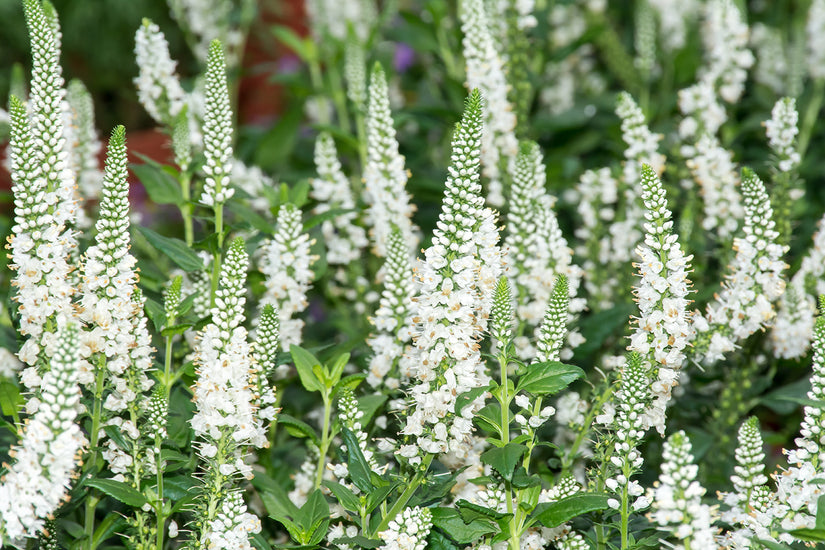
(42, 238)
(158, 85)
(675, 17)
(458, 276)
(626, 414)
(391, 343)
(754, 281)
(265, 353)
(712, 167)
(222, 392)
(334, 18)
(217, 131)
(344, 238)
(252, 181)
(209, 20)
(232, 526)
(727, 57)
(772, 62)
(537, 252)
(598, 203)
(663, 326)
(796, 311)
(41, 473)
(285, 260)
(485, 72)
(799, 486)
(642, 144)
(577, 72)
(350, 416)
(408, 531)
(116, 334)
(85, 145)
(355, 73)
(703, 113)
(563, 536)
(677, 498)
(782, 129)
(751, 492)
(815, 35)
(553, 328)
(385, 177)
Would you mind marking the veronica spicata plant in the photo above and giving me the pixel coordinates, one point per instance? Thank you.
(587, 316)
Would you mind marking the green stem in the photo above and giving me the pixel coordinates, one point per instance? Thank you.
(186, 209)
(515, 536)
(159, 512)
(167, 368)
(570, 456)
(322, 460)
(339, 97)
(399, 504)
(811, 114)
(362, 146)
(625, 515)
(92, 499)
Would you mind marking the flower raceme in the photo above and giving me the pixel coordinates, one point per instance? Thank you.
(458, 277)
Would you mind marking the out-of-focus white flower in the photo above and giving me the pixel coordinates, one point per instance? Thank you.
(727, 57)
(385, 177)
(815, 34)
(485, 72)
(677, 497)
(158, 85)
(782, 129)
(285, 260)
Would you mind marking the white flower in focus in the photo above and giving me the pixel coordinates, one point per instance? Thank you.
(217, 131)
(408, 531)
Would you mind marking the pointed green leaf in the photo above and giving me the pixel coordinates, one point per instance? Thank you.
(306, 363)
(359, 469)
(553, 514)
(504, 460)
(119, 490)
(548, 378)
(175, 249)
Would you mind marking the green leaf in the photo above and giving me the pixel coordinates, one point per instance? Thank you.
(379, 495)
(770, 545)
(303, 48)
(437, 541)
(504, 460)
(259, 542)
(9, 398)
(345, 497)
(784, 400)
(553, 514)
(468, 397)
(808, 535)
(119, 490)
(489, 418)
(359, 469)
(522, 480)
(156, 314)
(470, 512)
(111, 524)
(176, 249)
(306, 363)
(161, 187)
(298, 428)
(368, 405)
(548, 378)
(449, 521)
(175, 329)
(313, 518)
(179, 487)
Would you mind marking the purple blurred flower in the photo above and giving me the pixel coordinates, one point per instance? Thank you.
(404, 57)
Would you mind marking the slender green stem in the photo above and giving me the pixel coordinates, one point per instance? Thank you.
(811, 114)
(399, 504)
(625, 513)
(186, 208)
(322, 460)
(93, 499)
(167, 368)
(339, 97)
(362, 143)
(159, 512)
(569, 457)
